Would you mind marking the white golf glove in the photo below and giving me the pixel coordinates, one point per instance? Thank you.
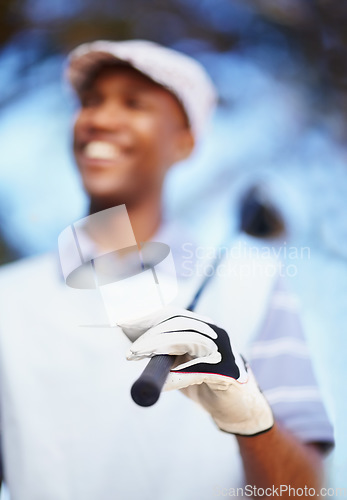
(207, 368)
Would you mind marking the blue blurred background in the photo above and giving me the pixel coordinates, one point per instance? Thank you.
(281, 71)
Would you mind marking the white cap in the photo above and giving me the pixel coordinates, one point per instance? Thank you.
(180, 74)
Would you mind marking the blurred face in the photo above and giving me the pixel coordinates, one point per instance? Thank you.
(128, 132)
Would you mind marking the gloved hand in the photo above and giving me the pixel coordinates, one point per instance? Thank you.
(207, 369)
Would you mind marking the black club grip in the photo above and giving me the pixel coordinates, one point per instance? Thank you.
(146, 389)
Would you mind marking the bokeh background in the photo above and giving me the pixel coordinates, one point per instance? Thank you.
(281, 71)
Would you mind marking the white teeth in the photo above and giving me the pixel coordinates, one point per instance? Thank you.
(101, 150)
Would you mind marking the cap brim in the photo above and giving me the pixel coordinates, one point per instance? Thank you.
(81, 69)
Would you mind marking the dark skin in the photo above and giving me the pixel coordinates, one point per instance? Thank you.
(277, 458)
(143, 130)
(146, 131)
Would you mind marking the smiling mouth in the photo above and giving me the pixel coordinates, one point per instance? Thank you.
(101, 150)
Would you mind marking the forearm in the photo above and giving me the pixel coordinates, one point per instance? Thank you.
(277, 458)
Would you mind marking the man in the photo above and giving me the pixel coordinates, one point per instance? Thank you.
(70, 429)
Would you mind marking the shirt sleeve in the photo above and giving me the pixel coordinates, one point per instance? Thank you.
(281, 363)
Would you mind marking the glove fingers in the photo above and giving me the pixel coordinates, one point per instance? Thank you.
(182, 380)
(177, 380)
(213, 358)
(175, 343)
(182, 324)
(133, 329)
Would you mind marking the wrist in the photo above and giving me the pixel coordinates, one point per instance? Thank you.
(249, 414)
